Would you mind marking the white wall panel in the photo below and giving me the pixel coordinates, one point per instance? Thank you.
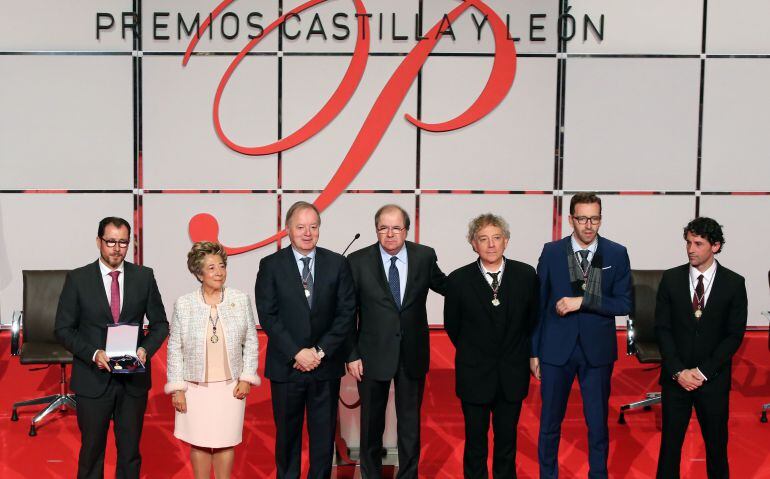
(736, 114)
(746, 229)
(738, 27)
(66, 122)
(243, 219)
(51, 231)
(631, 124)
(509, 149)
(181, 147)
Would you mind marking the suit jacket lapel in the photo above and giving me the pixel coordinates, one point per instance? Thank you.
(319, 277)
(100, 293)
(379, 272)
(716, 291)
(411, 271)
(292, 272)
(683, 290)
(482, 289)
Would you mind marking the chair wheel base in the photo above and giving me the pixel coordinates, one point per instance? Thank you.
(622, 418)
(763, 418)
(14, 415)
(32, 431)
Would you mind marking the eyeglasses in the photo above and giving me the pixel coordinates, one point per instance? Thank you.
(595, 220)
(111, 243)
(396, 230)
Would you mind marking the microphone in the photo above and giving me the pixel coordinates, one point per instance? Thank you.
(358, 235)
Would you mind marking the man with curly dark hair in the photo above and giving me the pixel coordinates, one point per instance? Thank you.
(700, 319)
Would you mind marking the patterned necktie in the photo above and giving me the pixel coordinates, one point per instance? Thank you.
(307, 278)
(115, 296)
(394, 280)
(697, 297)
(584, 260)
(495, 283)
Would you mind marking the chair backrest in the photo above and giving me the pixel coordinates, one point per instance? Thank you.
(644, 293)
(41, 298)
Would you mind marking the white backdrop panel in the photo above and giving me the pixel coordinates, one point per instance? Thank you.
(631, 124)
(243, 219)
(509, 149)
(736, 114)
(517, 14)
(61, 26)
(66, 122)
(308, 82)
(181, 147)
(746, 229)
(738, 27)
(634, 27)
(51, 231)
(444, 226)
(380, 35)
(233, 21)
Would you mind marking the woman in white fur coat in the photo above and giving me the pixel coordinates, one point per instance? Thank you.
(212, 363)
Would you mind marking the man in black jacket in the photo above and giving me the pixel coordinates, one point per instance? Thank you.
(108, 291)
(392, 278)
(490, 314)
(700, 319)
(306, 305)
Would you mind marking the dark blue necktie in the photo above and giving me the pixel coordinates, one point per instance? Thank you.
(394, 280)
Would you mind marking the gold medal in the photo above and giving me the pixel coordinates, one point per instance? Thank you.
(307, 293)
(117, 366)
(698, 313)
(495, 302)
(214, 338)
(584, 286)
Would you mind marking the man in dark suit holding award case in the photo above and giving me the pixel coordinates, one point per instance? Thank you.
(490, 313)
(105, 292)
(306, 305)
(700, 319)
(392, 278)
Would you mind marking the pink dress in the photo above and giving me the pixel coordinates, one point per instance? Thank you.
(214, 417)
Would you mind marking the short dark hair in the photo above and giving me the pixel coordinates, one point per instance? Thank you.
(114, 221)
(302, 205)
(707, 228)
(584, 197)
(383, 209)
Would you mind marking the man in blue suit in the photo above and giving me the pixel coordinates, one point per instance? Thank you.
(585, 281)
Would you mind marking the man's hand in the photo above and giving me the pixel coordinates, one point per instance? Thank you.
(241, 390)
(307, 359)
(567, 305)
(534, 367)
(690, 379)
(142, 355)
(356, 369)
(179, 401)
(101, 360)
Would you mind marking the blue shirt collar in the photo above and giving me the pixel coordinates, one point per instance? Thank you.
(576, 247)
(298, 256)
(401, 255)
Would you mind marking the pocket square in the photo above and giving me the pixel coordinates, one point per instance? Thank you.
(607, 267)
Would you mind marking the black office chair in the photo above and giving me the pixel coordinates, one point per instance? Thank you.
(766, 407)
(41, 298)
(641, 331)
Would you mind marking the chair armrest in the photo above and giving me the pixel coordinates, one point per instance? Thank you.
(16, 325)
(630, 339)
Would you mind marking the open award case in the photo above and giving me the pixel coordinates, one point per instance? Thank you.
(121, 348)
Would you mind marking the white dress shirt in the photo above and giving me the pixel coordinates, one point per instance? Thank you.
(300, 265)
(107, 279)
(401, 265)
(499, 270)
(591, 248)
(708, 281)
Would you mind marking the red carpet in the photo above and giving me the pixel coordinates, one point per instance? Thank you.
(633, 454)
